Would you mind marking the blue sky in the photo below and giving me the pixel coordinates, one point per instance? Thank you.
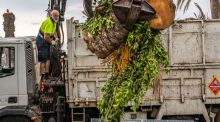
(30, 13)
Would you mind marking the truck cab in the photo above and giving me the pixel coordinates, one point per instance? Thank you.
(17, 79)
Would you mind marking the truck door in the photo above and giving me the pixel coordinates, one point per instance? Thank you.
(8, 75)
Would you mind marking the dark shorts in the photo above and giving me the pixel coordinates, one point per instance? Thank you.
(43, 48)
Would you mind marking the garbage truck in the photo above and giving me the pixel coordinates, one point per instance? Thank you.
(189, 92)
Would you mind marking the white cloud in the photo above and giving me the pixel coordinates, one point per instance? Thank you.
(75, 10)
(30, 13)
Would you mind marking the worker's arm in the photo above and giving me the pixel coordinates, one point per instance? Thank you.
(47, 37)
(55, 35)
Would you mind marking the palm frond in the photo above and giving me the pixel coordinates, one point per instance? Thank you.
(195, 14)
(201, 13)
(179, 3)
(183, 4)
(186, 6)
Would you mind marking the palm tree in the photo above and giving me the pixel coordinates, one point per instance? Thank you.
(8, 24)
(215, 9)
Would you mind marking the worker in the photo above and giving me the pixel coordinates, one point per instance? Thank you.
(44, 40)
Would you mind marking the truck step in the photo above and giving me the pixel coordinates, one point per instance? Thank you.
(78, 115)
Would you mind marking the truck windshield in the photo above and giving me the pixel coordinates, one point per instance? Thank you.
(7, 61)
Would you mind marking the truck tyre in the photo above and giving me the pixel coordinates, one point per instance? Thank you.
(15, 118)
(51, 119)
(217, 117)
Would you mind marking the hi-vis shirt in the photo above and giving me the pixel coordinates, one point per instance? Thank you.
(48, 26)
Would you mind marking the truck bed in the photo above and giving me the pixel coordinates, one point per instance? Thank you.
(194, 54)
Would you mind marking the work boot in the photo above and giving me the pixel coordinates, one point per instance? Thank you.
(42, 76)
(46, 76)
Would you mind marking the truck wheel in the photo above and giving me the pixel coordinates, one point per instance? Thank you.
(51, 119)
(15, 118)
(217, 116)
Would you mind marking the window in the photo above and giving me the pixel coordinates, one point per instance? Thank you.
(7, 61)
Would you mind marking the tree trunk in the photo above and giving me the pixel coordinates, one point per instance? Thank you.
(219, 9)
(108, 40)
(8, 24)
(215, 9)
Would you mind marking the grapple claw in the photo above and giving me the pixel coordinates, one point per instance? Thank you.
(128, 12)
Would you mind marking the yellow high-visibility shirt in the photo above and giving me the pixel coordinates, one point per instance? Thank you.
(48, 26)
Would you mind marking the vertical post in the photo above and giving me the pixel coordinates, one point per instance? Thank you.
(170, 47)
(203, 41)
(70, 57)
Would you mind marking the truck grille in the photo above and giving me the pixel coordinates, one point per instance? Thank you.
(29, 66)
